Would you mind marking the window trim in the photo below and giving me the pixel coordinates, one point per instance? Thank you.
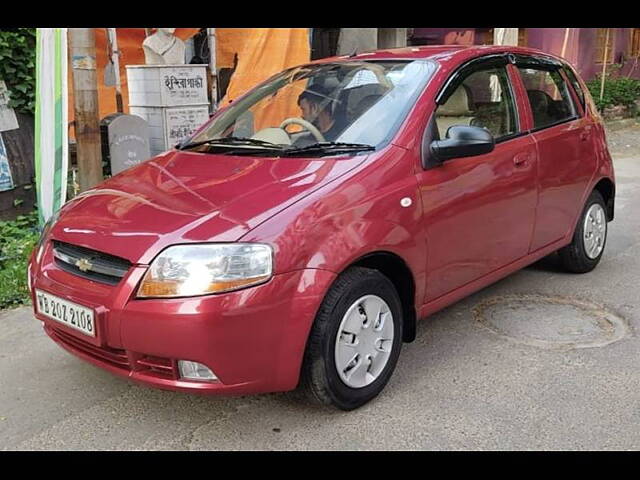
(610, 53)
(634, 36)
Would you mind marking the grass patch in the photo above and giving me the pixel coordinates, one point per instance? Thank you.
(17, 239)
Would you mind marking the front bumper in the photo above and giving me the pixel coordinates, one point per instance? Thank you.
(252, 339)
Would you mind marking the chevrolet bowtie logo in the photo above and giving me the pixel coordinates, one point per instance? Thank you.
(83, 264)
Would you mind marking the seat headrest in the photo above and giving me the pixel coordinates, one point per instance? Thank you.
(457, 105)
(538, 99)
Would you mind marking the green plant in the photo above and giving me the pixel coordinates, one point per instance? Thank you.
(18, 66)
(17, 239)
(618, 90)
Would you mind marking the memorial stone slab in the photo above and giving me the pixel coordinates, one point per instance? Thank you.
(127, 141)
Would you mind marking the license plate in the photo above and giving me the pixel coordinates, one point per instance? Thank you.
(66, 312)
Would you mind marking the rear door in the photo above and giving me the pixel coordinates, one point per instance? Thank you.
(478, 211)
(562, 134)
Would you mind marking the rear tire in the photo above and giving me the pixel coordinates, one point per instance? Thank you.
(586, 249)
(328, 379)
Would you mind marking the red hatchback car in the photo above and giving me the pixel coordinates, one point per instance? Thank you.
(298, 236)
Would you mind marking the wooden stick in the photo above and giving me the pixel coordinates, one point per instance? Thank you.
(604, 62)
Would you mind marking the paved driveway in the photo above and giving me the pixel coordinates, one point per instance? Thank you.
(473, 379)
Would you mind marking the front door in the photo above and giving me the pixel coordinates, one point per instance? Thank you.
(479, 211)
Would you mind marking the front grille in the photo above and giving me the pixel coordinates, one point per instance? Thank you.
(148, 365)
(113, 356)
(98, 266)
(157, 366)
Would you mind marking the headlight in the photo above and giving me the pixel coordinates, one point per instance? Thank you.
(188, 270)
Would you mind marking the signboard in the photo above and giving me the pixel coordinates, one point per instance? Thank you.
(183, 85)
(182, 122)
(127, 141)
(8, 119)
(6, 180)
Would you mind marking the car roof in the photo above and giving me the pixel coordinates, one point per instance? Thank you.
(443, 54)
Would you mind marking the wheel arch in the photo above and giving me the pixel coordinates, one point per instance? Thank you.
(398, 272)
(607, 189)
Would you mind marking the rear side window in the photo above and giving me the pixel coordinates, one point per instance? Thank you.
(483, 99)
(576, 85)
(548, 95)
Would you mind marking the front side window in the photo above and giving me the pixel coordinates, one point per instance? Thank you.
(483, 99)
(357, 102)
(548, 96)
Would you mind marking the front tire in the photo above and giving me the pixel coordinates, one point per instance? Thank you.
(355, 340)
(586, 249)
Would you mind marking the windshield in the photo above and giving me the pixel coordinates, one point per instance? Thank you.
(354, 103)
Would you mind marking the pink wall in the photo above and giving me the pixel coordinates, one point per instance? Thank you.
(581, 45)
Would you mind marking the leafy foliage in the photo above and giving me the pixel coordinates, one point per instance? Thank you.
(17, 239)
(18, 66)
(618, 90)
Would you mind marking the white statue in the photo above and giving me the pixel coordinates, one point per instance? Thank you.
(163, 48)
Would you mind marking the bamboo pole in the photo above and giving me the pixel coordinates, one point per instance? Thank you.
(82, 46)
(604, 62)
(213, 70)
(564, 44)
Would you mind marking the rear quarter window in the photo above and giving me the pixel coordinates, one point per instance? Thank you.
(576, 86)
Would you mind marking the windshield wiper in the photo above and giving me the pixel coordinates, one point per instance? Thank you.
(329, 147)
(230, 141)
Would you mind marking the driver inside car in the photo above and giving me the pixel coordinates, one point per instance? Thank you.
(316, 105)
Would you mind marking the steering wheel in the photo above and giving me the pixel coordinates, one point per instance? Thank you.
(303, 123)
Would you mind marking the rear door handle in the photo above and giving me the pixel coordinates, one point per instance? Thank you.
(521, 160)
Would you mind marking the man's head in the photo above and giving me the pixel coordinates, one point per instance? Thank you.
(315, 104)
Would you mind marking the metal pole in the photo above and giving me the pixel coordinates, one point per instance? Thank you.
(115, 59)
(211, 35)
(604, 62)
(82, 46)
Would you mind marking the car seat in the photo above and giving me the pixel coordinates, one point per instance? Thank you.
(455, 111)
(540, 102)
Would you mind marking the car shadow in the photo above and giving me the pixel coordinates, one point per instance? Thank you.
(551, 263)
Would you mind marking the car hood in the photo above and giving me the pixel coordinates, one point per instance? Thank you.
(184, 197)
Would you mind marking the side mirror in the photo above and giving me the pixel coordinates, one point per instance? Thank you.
(463, 141)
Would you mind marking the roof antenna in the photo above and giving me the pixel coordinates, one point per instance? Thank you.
(354, 53)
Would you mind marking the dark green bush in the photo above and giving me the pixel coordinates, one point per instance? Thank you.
(18, 66)
(17, 239)
(618, 90)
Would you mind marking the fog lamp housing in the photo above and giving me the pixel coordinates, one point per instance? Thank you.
(195, 371)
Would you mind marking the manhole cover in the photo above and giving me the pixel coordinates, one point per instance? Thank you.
(551, 322)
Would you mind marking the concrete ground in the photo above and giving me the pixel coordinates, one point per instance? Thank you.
(540, 360)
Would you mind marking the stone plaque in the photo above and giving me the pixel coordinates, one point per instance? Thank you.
(8, 119)
(182, 122)
(128, 141)
(183, 85)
